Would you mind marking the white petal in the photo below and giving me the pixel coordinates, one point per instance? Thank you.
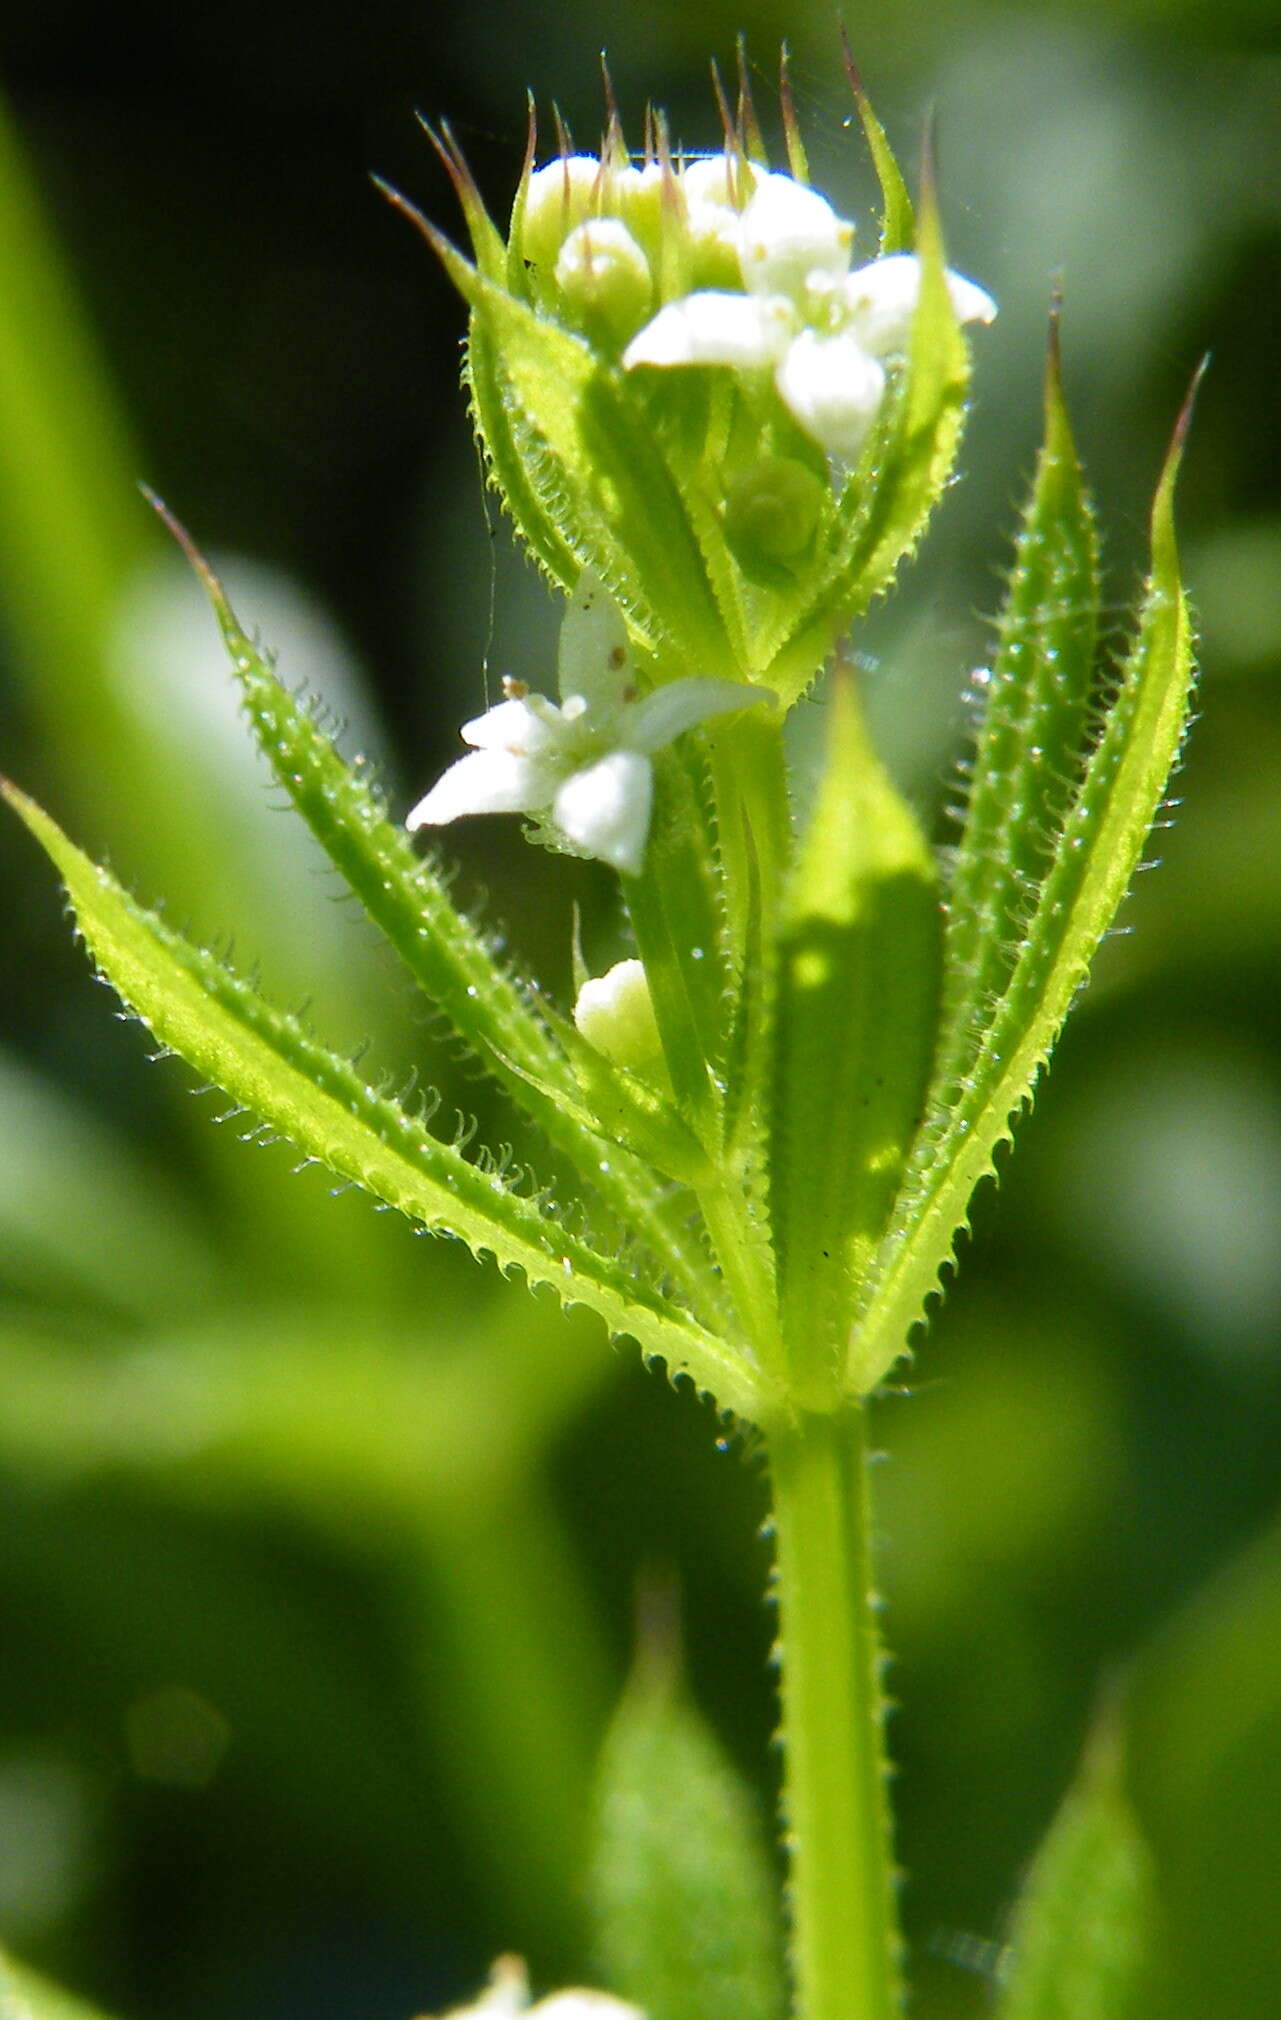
(487, 782)
(669, 711)
(744, 331)
(833, 389)
(881, 301)
(787, 235)
(528, 725)
(970, 302)
(604, 809)
(582, 2005)
(594, 661)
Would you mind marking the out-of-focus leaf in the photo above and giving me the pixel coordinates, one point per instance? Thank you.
(1082, 1939)
(81, 1220)
(24, 1996)
(681, 1883)
(345, 1413)
(1206, 1754)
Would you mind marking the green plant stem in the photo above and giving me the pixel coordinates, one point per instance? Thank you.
(845, 1948)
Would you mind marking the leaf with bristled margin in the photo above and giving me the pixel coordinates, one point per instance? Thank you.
(680, 1881)
(888, 498)
(857, 960)
(409, 902)
(1031, 745)
(898, 219)
(273, 1068)
(601, 486)
(24, 1996)
(1081, 1944)
(1096, 854)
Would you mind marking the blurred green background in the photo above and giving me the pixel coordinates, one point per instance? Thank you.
(317, 1546)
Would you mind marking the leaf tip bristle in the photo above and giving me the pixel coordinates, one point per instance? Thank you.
(613, 144)
(531, 136)
(732, 138)
(1184, 421)
(796, 157)
(852, 75)
(208, 579)
(748, 123)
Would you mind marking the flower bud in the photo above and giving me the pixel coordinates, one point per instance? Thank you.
(615, 1013)
(558, 198)
(604, 278)
(772, 511)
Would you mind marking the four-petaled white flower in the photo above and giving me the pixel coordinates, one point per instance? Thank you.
(582, 768)
(822, 329)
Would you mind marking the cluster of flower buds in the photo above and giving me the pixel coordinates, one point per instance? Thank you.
(711, 428)
(719, 261)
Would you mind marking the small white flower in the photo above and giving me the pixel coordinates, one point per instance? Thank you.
(803, 315)
(582, 768)
(881, 301)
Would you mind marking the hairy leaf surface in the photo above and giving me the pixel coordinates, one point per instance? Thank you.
(1032, 743)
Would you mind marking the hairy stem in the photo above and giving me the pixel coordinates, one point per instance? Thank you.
(845, 1948)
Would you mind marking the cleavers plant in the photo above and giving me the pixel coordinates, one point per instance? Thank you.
(720, 439)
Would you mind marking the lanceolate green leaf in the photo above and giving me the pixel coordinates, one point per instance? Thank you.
(858, 979)
(407, 899)
(273, 1069)
(1031, 745)
(1081, 1943)
(1098, 850)
(889, 497)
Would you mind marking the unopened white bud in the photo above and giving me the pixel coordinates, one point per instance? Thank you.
(557, 198)
(615, 1013)
(604, 276)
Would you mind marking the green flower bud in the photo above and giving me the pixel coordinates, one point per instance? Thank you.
(772, 511)
(615, 1013)
(557, 200)
(604, 278)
